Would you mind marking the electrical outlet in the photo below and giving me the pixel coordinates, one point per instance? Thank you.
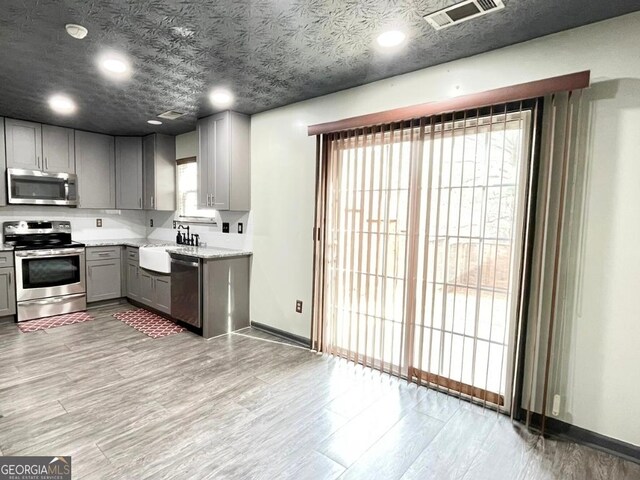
(174, 225)
(151, 222)
(98, 222)
(240, 227)
(298, 306)
(225, 227)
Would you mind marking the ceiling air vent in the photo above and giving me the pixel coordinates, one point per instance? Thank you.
(461, 12)
(171, 115)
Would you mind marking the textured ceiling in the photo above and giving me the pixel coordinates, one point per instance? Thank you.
(269, 52)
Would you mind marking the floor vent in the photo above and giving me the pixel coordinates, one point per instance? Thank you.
(461, 12)
(171, 115)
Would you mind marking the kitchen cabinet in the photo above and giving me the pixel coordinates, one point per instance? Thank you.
(96, 170)
(155, 290)
(103, 273)
(146, 287)
(159, 167)
(7, 292)
(133, 280)
(129, 173)
(224, 162)
(58, 149)
(162, 286)
(225, 295)
(3, 166)
(33, 146)
(23, 144)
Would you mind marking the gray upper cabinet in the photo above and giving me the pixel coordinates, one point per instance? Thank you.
(159, 152)
(23, 144)
(3, 166)
(33, 146)
(224, 162)
(58, 149)
(96, 170)
(129, 173)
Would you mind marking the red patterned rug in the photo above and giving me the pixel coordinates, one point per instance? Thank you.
(148, 323)
(54, 322)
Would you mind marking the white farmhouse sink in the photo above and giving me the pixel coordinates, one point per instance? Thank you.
(155, 258)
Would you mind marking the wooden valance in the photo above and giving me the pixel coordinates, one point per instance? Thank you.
(513, 93)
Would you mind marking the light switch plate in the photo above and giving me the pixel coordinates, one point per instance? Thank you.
(98, 222)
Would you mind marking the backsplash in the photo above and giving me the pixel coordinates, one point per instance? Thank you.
(115, 223)
(211, 234)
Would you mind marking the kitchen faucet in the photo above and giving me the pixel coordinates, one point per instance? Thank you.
(184, 239)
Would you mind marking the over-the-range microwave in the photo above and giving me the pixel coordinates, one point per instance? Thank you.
(33, 187)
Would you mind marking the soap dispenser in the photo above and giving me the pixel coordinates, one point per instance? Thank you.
(179, 238)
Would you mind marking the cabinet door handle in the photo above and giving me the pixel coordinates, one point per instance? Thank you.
(10, 276)
(140, 202)
(46, 163)
(152, 206)
(38, 160)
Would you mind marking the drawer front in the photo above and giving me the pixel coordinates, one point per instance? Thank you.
(103, 253)
(132, 253)
(6, 259)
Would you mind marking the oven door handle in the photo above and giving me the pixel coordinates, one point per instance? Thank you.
(67, 252)
(51, 300)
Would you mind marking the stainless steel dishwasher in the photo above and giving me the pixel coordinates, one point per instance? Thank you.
(186, 285)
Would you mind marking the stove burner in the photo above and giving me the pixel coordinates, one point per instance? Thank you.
(37, 235)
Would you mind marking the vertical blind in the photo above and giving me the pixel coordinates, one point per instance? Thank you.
(441, 252)
(419, 264)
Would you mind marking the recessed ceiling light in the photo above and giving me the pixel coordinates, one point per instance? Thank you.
(221, 97)
(61, 104)
(114, 65)
(76, 31)
(154, 122)
(392, 38)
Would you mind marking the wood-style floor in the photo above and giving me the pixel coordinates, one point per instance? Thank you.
(125, 406)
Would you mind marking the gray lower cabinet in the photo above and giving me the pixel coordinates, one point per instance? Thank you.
(146, 287)
(7, 292)
(129, 173)
(225, 295)
(103, 273)
(162, 285)
(155, 290)
(133, 280)
(96, 170)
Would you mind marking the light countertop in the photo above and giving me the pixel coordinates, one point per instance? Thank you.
(198, 252)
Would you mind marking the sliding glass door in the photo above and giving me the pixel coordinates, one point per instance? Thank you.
(422, 248)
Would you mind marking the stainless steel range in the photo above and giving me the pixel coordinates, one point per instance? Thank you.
(50, 268)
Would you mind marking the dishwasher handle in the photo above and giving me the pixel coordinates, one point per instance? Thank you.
(184, 262)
